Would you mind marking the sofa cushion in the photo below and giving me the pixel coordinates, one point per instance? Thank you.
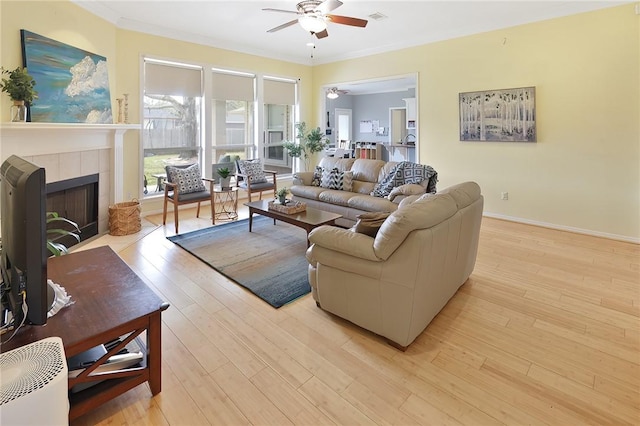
(337, 197)
(307, 191)
(370, 223)
(367, 170)
(341, 164)
(363, 187)
(386, 169)
(187, 179)
(368, 203)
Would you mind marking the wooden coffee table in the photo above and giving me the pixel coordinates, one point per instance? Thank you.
(307, 220)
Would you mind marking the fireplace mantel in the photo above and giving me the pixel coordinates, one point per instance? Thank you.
(32, 139)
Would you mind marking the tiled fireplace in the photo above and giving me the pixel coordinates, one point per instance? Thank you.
(72, 150)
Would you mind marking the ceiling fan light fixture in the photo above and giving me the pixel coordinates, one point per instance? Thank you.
(312, 23)
(333, 93)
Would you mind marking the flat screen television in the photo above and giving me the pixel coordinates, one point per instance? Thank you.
(24, 240)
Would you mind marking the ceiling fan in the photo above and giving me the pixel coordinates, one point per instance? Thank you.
(313, 16)
(334, 92)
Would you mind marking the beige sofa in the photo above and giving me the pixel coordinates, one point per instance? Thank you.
(396, 283)
(366, 174)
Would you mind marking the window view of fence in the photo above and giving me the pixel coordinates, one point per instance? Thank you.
(170, 136)
(172, 110)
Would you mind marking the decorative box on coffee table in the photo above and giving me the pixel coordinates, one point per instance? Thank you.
(291, 207)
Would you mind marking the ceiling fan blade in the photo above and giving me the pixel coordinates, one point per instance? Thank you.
(285, 25)
(269, 9)
(347, 20)
(328, 5)
(322, 34)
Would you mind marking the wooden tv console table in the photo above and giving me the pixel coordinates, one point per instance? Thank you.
(111, 301)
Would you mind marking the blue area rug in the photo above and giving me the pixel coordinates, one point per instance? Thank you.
(269, 261)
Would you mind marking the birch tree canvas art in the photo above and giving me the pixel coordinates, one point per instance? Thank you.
(72, 84)
(505, 115)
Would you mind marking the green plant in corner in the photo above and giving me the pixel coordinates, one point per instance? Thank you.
(19, 86)
(308, 143)
(58, 249)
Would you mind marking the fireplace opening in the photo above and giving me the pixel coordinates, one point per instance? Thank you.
(77, 200)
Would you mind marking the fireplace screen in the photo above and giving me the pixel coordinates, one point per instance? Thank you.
(77, 200)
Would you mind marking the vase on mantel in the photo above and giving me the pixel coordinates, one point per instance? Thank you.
(18, 112)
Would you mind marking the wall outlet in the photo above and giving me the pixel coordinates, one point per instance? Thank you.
(504, 196)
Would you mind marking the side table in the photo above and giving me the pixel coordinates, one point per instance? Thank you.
(226, 203)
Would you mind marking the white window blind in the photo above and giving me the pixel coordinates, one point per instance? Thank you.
(172, 80)
(232, 87)
(279, 92)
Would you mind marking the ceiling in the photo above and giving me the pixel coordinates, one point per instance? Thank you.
(242, 25)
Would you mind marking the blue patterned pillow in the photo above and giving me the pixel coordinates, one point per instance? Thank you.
(188, 180)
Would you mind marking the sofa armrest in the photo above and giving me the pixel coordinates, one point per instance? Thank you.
(344, 241)
(344, 250)
(302, 178)
(406, 189)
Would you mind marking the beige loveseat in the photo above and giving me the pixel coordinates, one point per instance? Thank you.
(366, 174)
(396, 283)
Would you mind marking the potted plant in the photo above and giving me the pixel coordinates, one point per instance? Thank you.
(309, 142)
(56, 248)
(225, 178)
(282, 195)
(20, 88)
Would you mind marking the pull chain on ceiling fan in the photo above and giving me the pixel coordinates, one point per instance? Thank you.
(313, 16)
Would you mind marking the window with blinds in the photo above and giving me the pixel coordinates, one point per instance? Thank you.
(232, 115)
(172, 110)
(279, 113)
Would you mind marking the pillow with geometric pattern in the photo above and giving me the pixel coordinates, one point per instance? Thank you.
(317, 176)
(253, 170)
(334, 179)
(188, 180)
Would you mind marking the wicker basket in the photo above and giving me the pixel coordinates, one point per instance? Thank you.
(124, 218)
(291, 207)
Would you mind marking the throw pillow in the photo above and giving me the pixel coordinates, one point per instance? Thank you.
(334, 179)
(188, 180)
(370, 223)
(253, 170)
(347, 180)
(317, 176)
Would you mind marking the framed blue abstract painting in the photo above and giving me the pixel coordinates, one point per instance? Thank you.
(72, 84)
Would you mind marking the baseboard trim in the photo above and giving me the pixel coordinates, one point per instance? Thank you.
(617, 237)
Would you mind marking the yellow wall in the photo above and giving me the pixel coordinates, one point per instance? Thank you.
(65, 22)
(58, 20)
(584, 171)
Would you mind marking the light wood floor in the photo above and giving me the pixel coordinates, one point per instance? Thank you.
(546, 331)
